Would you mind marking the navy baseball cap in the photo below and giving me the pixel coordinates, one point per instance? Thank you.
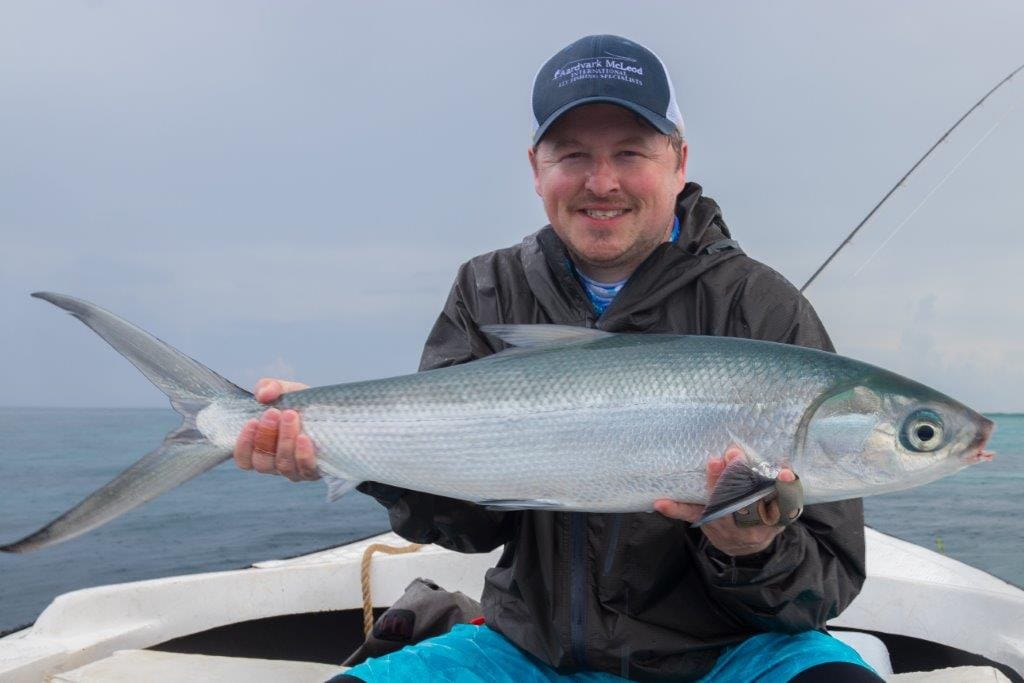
(605, 69)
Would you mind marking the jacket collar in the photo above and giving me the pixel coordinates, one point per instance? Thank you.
(704, 242)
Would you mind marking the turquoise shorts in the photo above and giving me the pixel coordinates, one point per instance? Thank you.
(473, 654)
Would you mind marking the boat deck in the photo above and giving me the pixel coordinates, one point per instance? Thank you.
(907, 601)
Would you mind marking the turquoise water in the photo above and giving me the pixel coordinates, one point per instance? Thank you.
(225, 519)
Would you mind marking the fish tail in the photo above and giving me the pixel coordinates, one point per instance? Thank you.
(185, 453)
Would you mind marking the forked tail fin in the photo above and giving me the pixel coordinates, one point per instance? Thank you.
(185, 452)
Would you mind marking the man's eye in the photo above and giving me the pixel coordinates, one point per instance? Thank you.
(630, 153)
(574, 155)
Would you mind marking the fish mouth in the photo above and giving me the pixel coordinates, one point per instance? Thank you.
(976, 451)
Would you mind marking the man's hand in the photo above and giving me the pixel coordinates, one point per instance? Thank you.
(723, 533)
(275, 444)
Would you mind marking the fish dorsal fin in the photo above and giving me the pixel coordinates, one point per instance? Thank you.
(535, 336)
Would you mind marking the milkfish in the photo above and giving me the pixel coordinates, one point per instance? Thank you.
(568, 419)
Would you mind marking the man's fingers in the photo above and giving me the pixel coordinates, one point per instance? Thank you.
(779, 509)
(266, 431)
(733, 453)
(768, 510)
(688, 512)
(285, 451)
(790, 497)
(270, 389)
(274, 444)
(747, 516)
(717, 465)
(714, 470)
(265, 442)
(244, 445)
(305, 458)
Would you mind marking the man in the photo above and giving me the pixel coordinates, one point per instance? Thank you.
(632, 247)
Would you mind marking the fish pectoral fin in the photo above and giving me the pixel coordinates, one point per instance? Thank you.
(534, 336)
(739, 485)
(522, 504)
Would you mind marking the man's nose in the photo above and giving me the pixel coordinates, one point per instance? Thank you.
(603, 178)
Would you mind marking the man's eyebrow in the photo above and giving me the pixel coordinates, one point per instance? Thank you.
(635, 140)
(562, 143)
(558, 144)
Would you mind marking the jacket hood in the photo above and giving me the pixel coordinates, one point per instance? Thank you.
(700, 220)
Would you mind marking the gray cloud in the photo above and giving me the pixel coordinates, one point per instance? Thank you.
(285, 187)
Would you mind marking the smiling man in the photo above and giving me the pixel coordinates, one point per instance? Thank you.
(631, 247)
(609, 184)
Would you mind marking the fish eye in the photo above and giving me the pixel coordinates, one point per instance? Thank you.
(922, 431)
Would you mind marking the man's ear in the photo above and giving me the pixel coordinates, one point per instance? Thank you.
(683, 154)
(532, 154)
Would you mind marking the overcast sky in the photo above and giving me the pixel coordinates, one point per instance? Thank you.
(288, 188)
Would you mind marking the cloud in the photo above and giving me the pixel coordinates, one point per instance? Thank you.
(271, 191)
(271, 284)
(931, 345)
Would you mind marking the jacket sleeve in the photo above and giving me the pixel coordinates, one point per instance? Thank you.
(427, 518)
(814, 568)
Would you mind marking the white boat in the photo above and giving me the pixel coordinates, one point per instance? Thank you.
(295, 619)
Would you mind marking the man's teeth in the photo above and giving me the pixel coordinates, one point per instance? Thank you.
(593, 213)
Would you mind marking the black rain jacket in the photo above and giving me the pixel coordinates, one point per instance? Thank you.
(638, 595)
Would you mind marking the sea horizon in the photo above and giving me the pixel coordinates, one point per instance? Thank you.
(229, 519)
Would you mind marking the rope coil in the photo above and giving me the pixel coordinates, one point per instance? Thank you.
(364, 576)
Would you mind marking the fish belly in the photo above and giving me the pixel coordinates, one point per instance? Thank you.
(607, 459)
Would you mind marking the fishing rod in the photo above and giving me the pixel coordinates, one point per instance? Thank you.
(905, 176)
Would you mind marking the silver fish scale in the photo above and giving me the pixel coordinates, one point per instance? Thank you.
(604, 425)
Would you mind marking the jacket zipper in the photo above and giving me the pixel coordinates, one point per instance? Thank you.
(578, 587)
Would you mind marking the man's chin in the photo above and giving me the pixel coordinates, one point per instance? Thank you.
(600, 257)
(598, 248)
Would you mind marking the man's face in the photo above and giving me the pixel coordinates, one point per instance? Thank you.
(609, 183)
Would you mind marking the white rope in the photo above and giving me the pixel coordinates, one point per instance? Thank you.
(364, 576)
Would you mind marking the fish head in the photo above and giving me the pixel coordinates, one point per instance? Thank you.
(887, 433)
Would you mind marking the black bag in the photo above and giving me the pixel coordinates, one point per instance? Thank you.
(425, 610)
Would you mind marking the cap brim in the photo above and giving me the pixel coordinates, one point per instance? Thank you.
(660, 122)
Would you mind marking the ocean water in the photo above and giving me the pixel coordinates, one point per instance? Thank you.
(227, 519)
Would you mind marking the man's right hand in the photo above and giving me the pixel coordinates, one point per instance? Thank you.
(275, 444)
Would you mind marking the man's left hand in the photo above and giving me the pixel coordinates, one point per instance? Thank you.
(723, 533)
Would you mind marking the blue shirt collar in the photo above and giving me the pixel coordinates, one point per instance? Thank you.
(601, 294)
